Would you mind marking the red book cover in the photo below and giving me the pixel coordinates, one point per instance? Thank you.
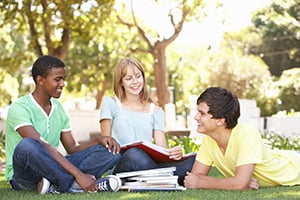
(157, 153)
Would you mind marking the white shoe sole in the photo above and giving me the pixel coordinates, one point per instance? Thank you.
(43, 186)
(117, 182)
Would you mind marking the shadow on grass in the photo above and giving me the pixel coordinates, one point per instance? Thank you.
(267, 193)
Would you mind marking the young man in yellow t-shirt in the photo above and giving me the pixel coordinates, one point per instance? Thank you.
(236, 150)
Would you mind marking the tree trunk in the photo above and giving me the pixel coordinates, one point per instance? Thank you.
(106, 84)
(161, 74)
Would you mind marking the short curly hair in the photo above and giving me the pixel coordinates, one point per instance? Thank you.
(44, 64)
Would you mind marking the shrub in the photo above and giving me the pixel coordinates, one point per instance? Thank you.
(187, 143)
(278, 141)
(274, 139)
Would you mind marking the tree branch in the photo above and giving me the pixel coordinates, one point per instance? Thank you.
(65, 38)
(33, 32)
(177, 26)
(139, 29)
(47, 29)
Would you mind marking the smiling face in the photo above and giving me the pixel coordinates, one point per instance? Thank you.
(206, 124)
(53, 82)
(133, 81)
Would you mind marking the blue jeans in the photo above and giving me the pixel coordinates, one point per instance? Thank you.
(135, 159)
(32, 162)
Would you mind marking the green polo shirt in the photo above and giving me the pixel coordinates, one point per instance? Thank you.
(26, 111)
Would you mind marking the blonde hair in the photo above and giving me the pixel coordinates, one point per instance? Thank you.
(121, 71)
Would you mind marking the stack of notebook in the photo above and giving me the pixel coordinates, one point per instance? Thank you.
(161, 179)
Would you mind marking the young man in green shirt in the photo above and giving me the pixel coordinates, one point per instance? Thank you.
(36, 123)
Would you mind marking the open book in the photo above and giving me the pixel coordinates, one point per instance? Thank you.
(157, 153)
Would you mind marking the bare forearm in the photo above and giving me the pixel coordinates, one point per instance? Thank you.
(63, 162)
(207, 182)
(106, 141)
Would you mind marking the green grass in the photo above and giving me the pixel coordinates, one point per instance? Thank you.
(280, 193)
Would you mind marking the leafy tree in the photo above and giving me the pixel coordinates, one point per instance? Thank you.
(278, 26)
(289, 90)
(13, 53)
(48, 27)
(97, 53)
(183, 65)
(251, 77)
(8, 88)
(13, 58)
(275, 93)
(157, 42)
(52, 23)
(228, 68)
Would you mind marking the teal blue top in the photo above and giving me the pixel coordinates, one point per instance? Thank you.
(128, 126)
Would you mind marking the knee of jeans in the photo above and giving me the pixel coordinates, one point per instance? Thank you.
(140, 157)
(27, 144)
(134, 154)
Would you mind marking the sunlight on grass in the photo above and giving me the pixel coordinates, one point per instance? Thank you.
(126, 196)
(268, 193)
(293, 194)
(283, 195)
(281, 192)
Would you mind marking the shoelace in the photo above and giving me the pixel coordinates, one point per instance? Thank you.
(103, 186)
(52, 190)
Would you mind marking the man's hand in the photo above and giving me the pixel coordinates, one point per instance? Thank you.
(110, 143)
(190, 180)
(253, 184)
(87, 182)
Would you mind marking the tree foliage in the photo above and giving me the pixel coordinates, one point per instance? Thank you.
(49, 27)
(52, 23)
(240, 74)
(279, 27)
(273, 94)
(90, 36)
(97, 53)
(13, 51)
(8, 88)
(156, 42)
(289, 90)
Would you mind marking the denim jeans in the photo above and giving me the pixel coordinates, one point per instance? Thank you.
(135, 159)
(32, 162)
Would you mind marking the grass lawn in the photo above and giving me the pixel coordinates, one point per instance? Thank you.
(280, 193)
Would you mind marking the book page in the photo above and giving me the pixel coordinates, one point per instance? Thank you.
(149, 172)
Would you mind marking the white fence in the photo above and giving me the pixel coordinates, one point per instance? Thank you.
(250, 114)
(288, 126)
(85, 122)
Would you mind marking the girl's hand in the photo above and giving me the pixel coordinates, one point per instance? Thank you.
(176, 153)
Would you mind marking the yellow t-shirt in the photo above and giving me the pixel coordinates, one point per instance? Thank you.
(245, 146)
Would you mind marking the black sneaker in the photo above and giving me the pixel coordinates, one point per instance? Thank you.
(45, 186)
(109, 183)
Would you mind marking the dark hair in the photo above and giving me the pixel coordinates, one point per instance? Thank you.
(222, 104)
(44, 64)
